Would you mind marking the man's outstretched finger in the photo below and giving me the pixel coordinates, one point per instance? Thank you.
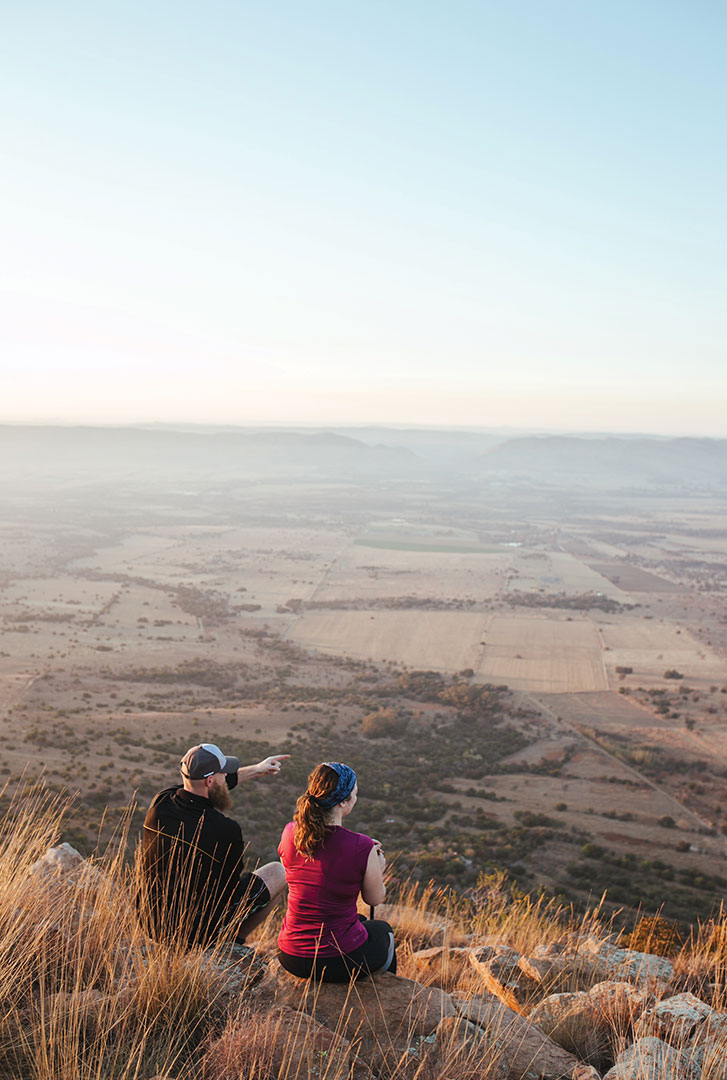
(272, 764)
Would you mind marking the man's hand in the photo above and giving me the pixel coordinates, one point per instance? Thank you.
(271, 765)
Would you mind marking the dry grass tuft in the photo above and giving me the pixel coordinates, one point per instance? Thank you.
(86, 995)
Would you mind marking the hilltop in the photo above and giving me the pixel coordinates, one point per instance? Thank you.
(497, 986)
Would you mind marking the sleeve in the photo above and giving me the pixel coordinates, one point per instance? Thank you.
(286, 840)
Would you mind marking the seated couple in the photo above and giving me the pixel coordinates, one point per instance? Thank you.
(193, 886)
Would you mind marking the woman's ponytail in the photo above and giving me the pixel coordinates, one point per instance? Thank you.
(310, 818)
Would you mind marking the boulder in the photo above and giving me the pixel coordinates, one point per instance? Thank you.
(462, 1047)
(422, 928)
(439, 961)
(709, 1054)
(712, 1029)
(530, 1055)
(610, 962)
(619, 1001)
(498, 968)
(557, 1008)
(552, 951)
(385, 1009)
(281, 1042)
(585, 1022)
(233, 971)
(543, 970)
(652, 1059)
(585, 1072)
(575, 1022)
(675, 1019)
(57, 861)
(610, 1000)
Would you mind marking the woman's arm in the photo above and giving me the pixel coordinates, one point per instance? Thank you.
(373, 889)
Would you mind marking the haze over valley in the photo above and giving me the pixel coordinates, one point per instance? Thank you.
(519, 640)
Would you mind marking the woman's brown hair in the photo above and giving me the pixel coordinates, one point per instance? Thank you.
(310, 819)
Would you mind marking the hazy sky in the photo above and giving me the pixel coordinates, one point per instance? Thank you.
(447, 213)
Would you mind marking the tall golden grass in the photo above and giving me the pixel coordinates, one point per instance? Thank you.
(86, 995)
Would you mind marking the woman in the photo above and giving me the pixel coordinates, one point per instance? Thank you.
(327, 866)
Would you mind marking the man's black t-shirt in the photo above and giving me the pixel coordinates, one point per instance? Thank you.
(191, 863)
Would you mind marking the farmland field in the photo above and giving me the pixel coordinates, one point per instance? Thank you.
(138, 620)
(633, 578)
(439, 640)
(541, 654)
(651, 647)
(359, 572)
(558, 572)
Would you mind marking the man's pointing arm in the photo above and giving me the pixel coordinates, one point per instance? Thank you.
(269, 766)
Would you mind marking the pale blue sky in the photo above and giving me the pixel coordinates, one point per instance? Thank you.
(475, 213)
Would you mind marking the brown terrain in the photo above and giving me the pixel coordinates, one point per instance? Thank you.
(141, 614)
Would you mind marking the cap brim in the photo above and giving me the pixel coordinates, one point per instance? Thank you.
(232, 764)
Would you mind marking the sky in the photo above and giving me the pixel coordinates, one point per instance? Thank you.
(462, 213)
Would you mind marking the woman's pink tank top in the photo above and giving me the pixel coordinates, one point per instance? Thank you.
(322, 919)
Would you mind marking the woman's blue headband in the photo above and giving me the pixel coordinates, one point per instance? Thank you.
(344, 787)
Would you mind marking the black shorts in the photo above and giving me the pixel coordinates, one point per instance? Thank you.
(376, 954)
(255, 899)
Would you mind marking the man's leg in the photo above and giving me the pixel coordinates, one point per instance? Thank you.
(273, 876)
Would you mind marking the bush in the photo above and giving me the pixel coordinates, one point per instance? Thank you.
(654, 934)
(382, 723)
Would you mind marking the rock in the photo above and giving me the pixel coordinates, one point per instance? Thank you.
(709, 1054)
(439, 961)
(424, 958)
(674, 1019)
(584, 1022)
(557, 1008)
(233, 970)
(652, 1059)
(575, 1022)
(543, 970)
(282, 1042)
(386, 1009)
(421, 927)
(619, 1001)
(56, 861)
(552, 951)
(585, 1072)
(499, 970)
(712, 1029)
(461, 1046)
(530, 1054)
(610, 962)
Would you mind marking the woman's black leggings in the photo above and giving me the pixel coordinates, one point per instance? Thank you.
(376, 954)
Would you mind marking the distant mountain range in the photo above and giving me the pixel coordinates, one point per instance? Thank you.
(47, 453)
(611, 461)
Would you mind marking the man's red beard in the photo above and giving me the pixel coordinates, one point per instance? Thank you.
(219, 797)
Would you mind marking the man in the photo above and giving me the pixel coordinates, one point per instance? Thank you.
(193, 884)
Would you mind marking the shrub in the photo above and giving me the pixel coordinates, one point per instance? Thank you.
(382, 723)
(654, 934)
